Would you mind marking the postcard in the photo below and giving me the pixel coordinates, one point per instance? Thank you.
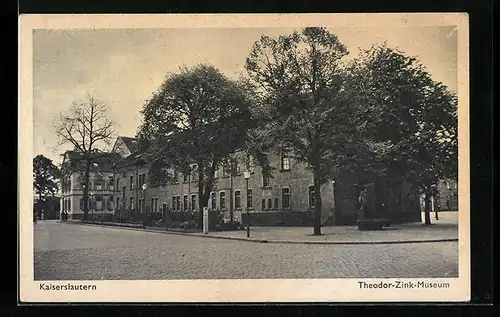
(237, 158)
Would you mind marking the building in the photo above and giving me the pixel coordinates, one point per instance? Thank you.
(101, 185)
(119, 189)
(287, 194)
(448, 195)
(132, 197)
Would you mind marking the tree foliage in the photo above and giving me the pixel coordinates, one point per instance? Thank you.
(45, 176)
(412, 117)
(304, 114)
(86, 127)
(198, 117)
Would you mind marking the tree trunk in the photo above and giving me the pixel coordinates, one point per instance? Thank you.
(205, 184)
(203, 202)
(86, 179)
(427, 208)
(317, 203)
(436, 208)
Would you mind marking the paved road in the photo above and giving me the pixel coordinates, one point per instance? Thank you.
(75, 252)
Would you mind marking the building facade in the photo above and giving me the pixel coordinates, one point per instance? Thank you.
(121, 190)
(101, 186)
(288, 190)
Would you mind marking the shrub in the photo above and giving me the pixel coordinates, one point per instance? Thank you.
(188, 224)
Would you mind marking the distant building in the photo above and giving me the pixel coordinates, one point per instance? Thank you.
(101, 185)
(448, 195)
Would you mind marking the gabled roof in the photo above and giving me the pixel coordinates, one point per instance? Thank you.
(130, 143)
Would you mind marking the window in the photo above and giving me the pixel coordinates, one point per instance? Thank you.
(276, 203)
(82, 203)
(142, 180)
(213, 196)
(117, 184)
(185, 177)
(222, 200)
(118, 203)
(237, 199)
(265, 180)
(269, 204)
(249, 198)
(312, 197)
(131, 182)
(226, 169)
(238, 168)
(263, 204)
(110, 204)
(111, 183)
(140, 202)
(285, 197)
(131, 203)
(177, 203)
(173, 203)
(185, 205)
(175, 177)
(164, 205)
(285, 163)
(193, 202)
(98, 184)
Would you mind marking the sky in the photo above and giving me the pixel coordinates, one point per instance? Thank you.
(124, 67)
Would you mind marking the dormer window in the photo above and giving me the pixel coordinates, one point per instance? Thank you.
(285, 163)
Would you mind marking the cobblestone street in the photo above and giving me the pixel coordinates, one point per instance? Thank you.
(76, 252)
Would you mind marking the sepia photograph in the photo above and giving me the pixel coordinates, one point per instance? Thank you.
(244, 158)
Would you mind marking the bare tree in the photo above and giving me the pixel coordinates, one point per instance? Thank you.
(86, 127)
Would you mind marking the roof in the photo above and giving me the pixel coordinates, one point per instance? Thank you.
(130, 143)
(73, 160)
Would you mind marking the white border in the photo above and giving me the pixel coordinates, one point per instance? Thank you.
(292, 290)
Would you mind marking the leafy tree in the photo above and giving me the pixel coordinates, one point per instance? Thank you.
(85, 127)
(298, 81)
(196, 119)
(413, 116)
(45, 176)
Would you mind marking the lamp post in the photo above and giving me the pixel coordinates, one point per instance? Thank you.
(246, 174)
(92, 204)
(144, 218)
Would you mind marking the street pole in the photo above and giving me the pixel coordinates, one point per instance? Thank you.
(205, 220)
(144, 197)
(92, 205)
(247, 176)
(248, 212)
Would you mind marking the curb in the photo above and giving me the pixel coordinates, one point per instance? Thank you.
(201, 235)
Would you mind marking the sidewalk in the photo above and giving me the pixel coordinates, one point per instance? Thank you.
(444, 229)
